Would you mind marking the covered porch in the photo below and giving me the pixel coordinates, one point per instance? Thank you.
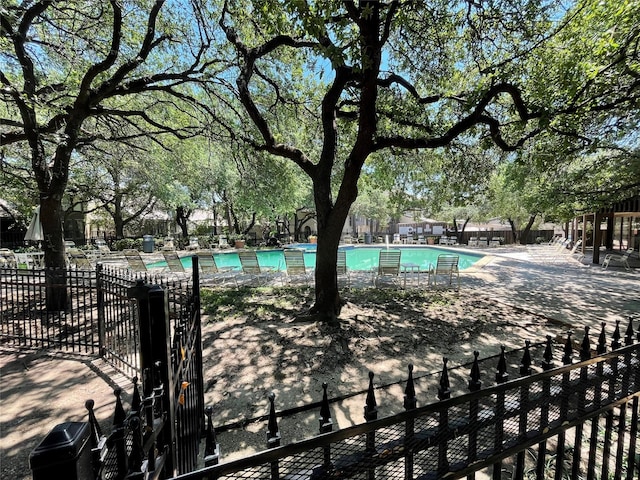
(612, 229)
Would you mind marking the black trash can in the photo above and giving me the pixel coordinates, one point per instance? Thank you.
(64, 453)
(367, 238)
(148, 243)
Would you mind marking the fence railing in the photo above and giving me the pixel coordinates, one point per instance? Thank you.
(26, 322)
(163, 429)
(577, 419)
(570, 420)
(99, 317)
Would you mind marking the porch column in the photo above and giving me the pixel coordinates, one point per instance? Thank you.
(597, 236)
(610, 226)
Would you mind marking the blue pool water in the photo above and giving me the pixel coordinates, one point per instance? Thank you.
(358, 258)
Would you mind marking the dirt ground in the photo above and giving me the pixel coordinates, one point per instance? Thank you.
(266, 349)
(262, 347)
(255, 343)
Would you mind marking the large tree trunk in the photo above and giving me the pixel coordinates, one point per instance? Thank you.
(328, 302)
(52, 183)
(51, 213)
(118, 221)
(182, 217)
(514, 232)
(524, 235)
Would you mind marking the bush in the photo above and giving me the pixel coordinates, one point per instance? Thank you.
(127, 243)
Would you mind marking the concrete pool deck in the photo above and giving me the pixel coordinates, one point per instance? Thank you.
(39, 390)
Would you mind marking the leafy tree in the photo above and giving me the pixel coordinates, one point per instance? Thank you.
(67, 73)
(393, 76)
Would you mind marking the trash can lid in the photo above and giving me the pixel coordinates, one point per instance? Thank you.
(64, 442)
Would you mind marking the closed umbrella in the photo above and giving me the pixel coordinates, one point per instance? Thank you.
(34, 232)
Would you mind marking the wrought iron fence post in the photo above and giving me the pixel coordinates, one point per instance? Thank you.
(525, 371)
(101, 312)
(474, 385)
(212, 447)
(585, 354)
(273, 435)
(633, 465)
(326, 426)
(98, 440)
(155, 359)
(567, 359)
(444, 393)
(118, 437)
(606, 451)
(501, 377)
(370, 414)
(410, 403)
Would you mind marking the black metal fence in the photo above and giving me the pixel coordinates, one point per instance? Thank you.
(569, 420)
(559, 419)
(25, 320)
(119, 319)
(100, 318)
(146, 326)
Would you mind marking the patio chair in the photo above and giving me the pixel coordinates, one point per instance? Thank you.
(8, 258)
(251, 267)
(78, 259)
(622, 259)
(209, 268)
(563, 252)
(294, 262)
(473, 242)
(483, 241)
(134, 260)
(103, 248)
(208, 264)
(445, 265)
(495, 242)
(388, 266)
(168, 245)
(194, 244)
(222, 241)
(173, 261)
(341, 266)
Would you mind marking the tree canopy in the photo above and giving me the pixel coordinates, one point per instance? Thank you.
(430, 95)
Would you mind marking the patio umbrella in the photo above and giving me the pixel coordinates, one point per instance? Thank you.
(34, 232)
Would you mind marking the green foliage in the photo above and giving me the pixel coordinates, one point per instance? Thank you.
(127, 243)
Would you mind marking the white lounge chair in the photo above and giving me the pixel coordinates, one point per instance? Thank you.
(388, 266)
(294, 261)
(194, 244)
(252, 268)
(78, 259)
(134, 260)
(446, 265)
(341, 267)
(209, 268)
(174, 264)
(8, 258)
(622, 259)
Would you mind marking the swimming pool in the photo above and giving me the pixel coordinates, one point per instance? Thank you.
(358, 257)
